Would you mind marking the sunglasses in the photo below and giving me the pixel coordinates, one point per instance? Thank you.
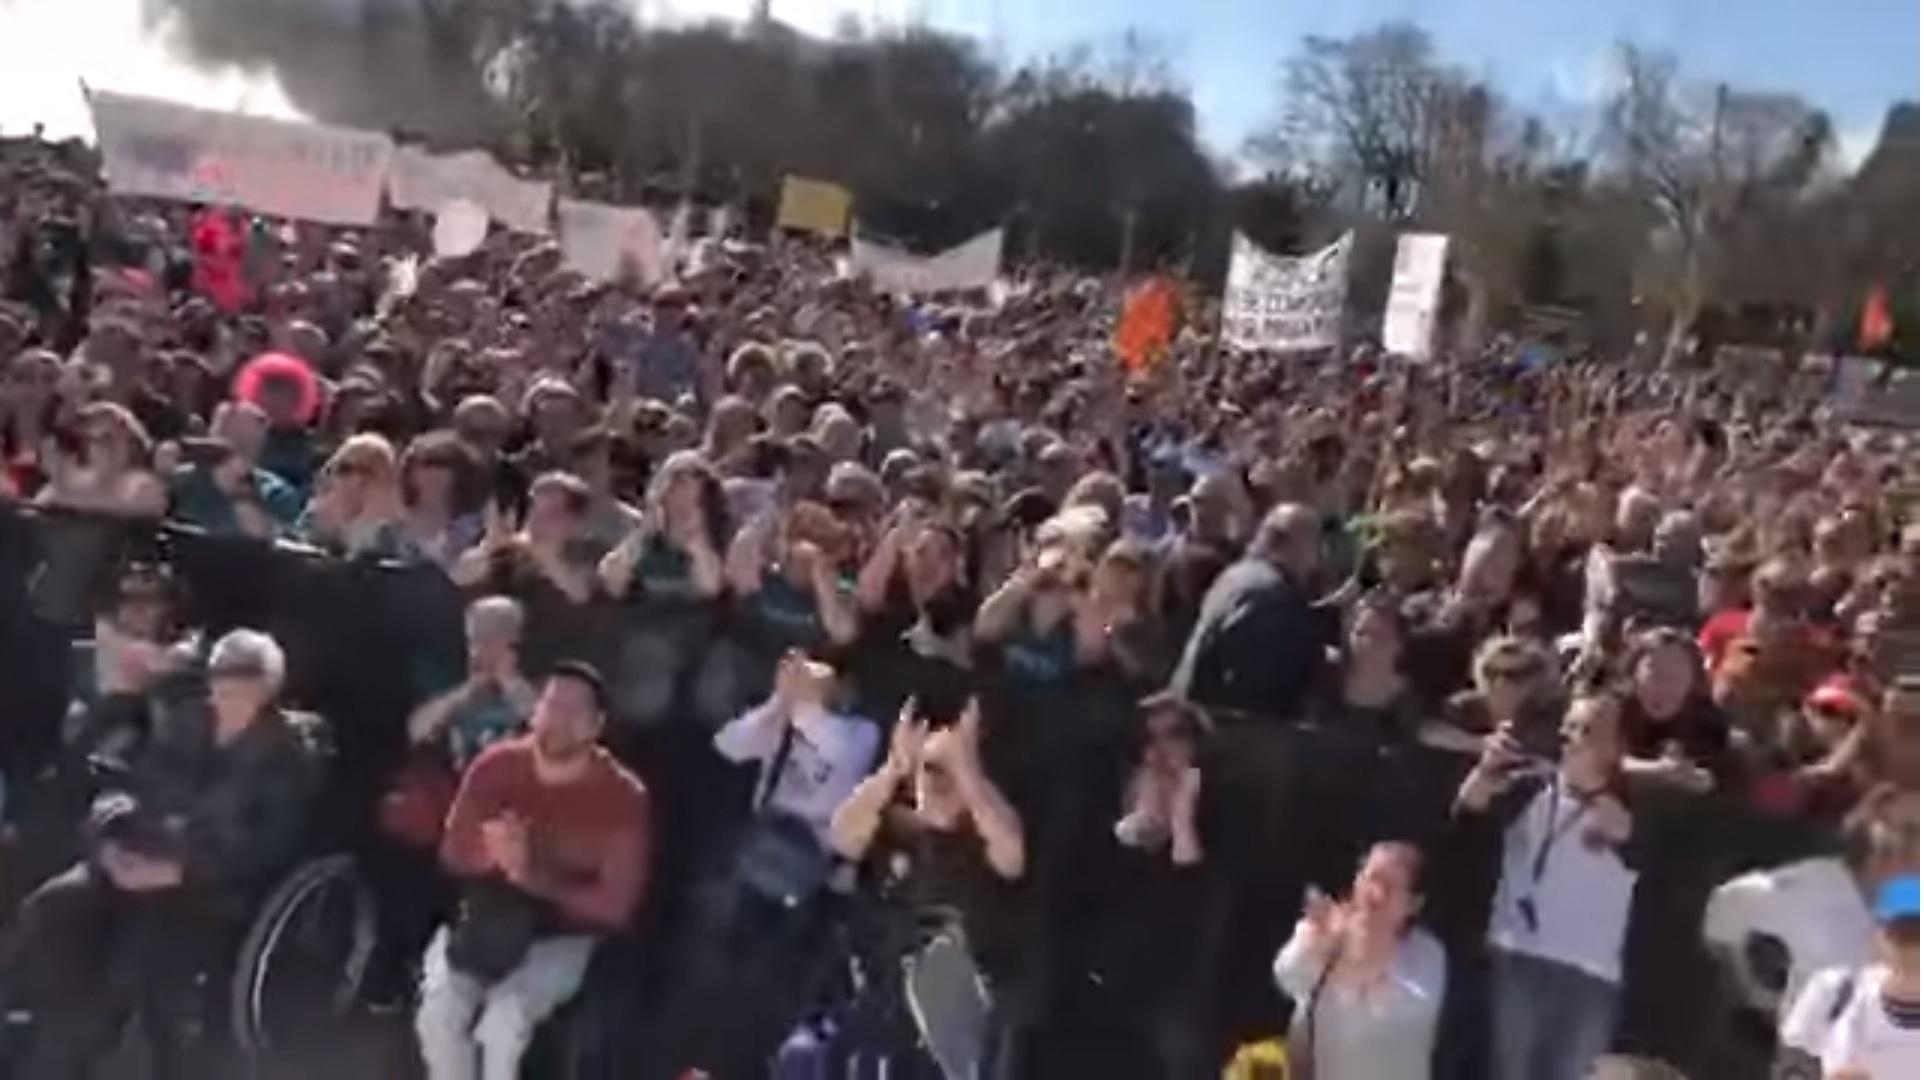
(1518, 674)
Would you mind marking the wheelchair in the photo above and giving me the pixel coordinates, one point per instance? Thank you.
(293, 969)
(304, 957)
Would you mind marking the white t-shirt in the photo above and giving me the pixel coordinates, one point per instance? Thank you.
(1382, 1033)
(1581, 898)
(830, 754)
(1859, 1036)
(1813, 906)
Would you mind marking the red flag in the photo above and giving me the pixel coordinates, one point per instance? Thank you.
(1874, 326)
(220, 253)
(1147, 325)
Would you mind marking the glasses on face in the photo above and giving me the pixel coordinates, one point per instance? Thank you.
(1517, 673)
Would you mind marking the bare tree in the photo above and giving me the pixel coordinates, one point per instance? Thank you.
(1367, 104)
(1714, 164)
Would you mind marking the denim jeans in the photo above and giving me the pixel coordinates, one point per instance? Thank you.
(509, 1010)
(1549, 1021)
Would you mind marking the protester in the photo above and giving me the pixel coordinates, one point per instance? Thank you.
(1258, 642)
(209, 809)
(1367, 981)
(549, 838)
(952, 854)
(1862, 1022)
(1225, 621)
(1562, 903)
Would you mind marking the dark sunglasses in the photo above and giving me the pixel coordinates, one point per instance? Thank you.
(1518, 674)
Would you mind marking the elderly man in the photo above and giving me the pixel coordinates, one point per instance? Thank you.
(1259, 637)
(211, 810)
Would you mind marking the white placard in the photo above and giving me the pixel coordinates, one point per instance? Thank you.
(459, 228)
(972, 264)
(424, 181)
(1285, 302)
(1409, 317)
(596, 239)
(279, 167)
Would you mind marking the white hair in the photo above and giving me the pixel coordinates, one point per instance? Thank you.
(253, 652)
(497, 615)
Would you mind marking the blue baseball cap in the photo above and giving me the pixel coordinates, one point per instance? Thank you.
(1896, 899)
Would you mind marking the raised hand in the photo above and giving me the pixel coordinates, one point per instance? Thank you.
(905, 745)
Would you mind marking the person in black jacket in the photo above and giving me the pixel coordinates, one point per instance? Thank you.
(211, 809)
(1259, 640)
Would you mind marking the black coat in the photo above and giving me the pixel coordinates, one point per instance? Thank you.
(1258, 645)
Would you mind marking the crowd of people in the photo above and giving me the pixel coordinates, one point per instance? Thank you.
(1462, 719)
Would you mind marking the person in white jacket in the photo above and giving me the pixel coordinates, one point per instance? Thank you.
(1860, 1023)
(821, 754)
(1367, 982)
(1774, 928)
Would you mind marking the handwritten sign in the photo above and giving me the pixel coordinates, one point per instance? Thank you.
(1409, 317)
(1282, 302)
(459, 227)
(815, 206)
(602, 241)
(972, 264)
(423, 181)
(278, 167)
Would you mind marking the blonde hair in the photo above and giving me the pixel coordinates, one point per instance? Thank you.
(364, 453)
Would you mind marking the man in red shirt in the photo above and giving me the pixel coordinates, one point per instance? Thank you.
(548, 838)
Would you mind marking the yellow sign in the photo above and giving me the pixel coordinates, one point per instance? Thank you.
(813, 206)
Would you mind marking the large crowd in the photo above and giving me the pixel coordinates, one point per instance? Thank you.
(1469, 718)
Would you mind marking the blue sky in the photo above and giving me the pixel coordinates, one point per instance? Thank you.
(1851, 57)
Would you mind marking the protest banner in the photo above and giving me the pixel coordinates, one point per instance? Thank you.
(971, 264)
(1868, 392)
(460, 226)
(278, 167)
(599, 240)
(1409, 316)
(1284, 302)
(815, 206)
(1148, 324)
(423, 181)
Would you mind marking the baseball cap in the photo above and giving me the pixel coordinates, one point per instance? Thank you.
(1896, 899)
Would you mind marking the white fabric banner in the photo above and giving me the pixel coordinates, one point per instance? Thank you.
(1285, 302)
(972, 264)
(1409, 317)
(597, 239)
(424, 181)
(278, 167)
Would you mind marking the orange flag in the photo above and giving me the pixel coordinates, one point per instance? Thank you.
(1874, 327)
(1147, 325)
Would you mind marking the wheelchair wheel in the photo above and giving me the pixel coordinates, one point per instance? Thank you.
(305, 957)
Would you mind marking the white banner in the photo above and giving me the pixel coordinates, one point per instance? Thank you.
(597, 239)
(1867, 391)
(459, 228)
(278, 167)
(424, 181)
(1285, 302)
(972, 264)
(1409, 318)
